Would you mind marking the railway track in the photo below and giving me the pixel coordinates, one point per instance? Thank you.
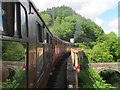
(58, 79)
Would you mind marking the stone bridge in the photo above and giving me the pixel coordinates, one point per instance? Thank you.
(14, 65)
(105, 66)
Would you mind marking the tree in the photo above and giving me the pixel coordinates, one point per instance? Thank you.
(63, 30)
(65, 23)
(46, 18)
(13, 51)
(101, 53)
(111, 40)
(90, 31)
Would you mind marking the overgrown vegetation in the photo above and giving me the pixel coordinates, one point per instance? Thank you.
(111, 76)
(90, 79)
(13, 51)
(17, 82)
(105, 49)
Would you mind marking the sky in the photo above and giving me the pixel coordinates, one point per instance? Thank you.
(102, 12)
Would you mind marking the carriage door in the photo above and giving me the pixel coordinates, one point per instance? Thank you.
(39, 50)
(46, 49)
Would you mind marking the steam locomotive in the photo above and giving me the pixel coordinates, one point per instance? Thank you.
(29, 50)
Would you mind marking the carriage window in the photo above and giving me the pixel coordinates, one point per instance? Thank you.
(47, 38)
(7, 18)
(40, 34)
(13, 65)
(50, 40)
(1, 25)
(13, 19)
(23, 22)
(20, 21)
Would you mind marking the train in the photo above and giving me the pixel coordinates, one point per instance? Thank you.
(29, 50)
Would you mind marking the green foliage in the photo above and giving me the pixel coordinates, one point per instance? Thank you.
(105, 49)
(90, 79)
(89, 31)
(100, 53)
(86, 45)
(66, 23)
(18, 81)
(110, 76)
(118, 60)
(60, 12)
(12, 51)
(63, 30)
(46, 18)
(111, 41)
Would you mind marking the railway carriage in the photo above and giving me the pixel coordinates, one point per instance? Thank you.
(22, 30)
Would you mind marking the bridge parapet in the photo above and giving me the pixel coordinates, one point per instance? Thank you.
(12, 64)
(105, 66)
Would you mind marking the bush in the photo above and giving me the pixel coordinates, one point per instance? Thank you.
(18, 81)
(89, 78)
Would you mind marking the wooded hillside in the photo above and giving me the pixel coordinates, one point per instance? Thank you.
(65, 23)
